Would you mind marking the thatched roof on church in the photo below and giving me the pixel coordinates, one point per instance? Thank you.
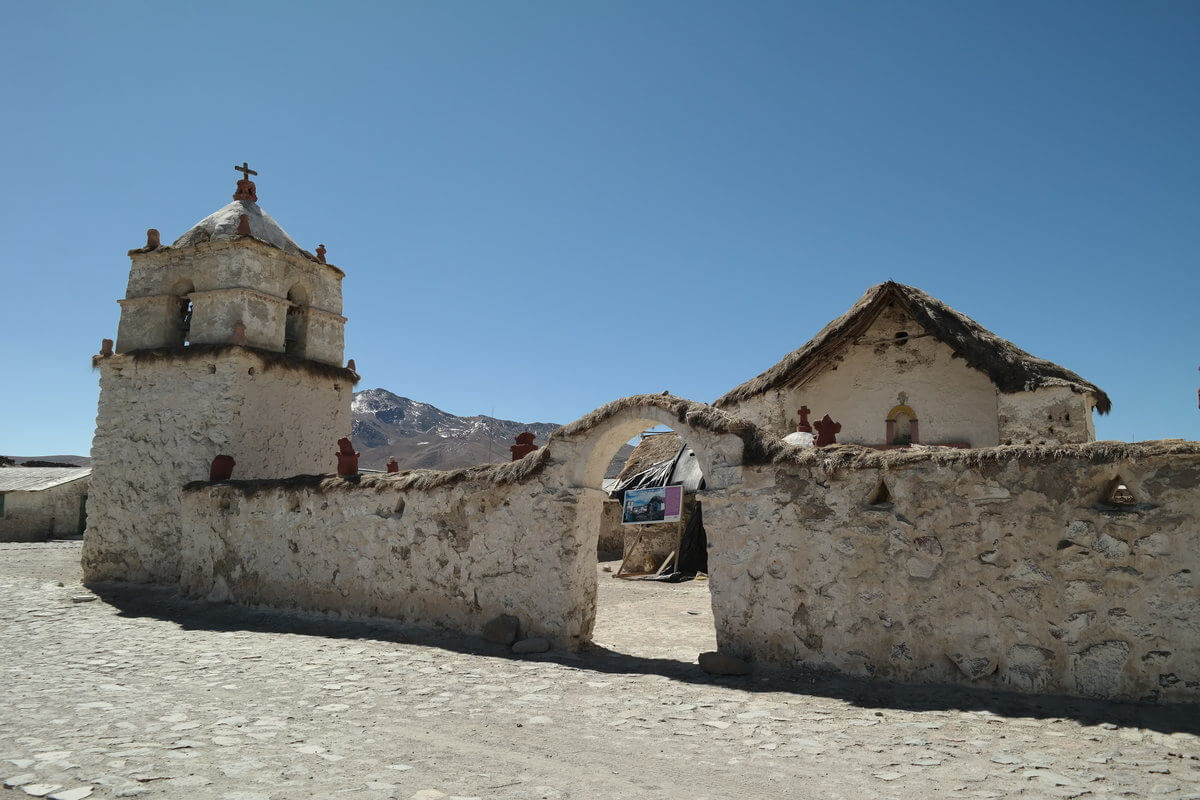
(1010, 368)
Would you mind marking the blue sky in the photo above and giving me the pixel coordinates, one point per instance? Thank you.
(542, 206)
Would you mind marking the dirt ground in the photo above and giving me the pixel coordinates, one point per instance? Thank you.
(136, 691)
(651, 619)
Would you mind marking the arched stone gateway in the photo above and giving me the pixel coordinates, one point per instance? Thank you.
(582, 451)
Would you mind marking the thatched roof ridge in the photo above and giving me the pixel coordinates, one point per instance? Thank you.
(1010, 368)
(421, 480)
(653, 449)
(852, 456)
(270, 359)
(758, 444)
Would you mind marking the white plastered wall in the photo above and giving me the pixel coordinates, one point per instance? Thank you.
(1053, 415)
(159, 425)
(954, 403)
(37, 516)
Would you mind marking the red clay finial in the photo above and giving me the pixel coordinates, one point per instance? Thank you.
(524, 446)
(804, 427)
(827, 431)
(346, 457)
(246, 189)
(321, 253)
(221, 468)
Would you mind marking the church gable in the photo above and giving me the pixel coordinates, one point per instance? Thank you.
(901, 367)
(1006, 365)
(895, 383)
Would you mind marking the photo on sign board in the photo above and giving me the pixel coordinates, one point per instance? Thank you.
(656, 504)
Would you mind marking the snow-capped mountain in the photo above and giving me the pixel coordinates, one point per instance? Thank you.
(422, 436)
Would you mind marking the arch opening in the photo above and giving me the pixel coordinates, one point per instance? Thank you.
(183, 289)
(294, 333)
(652, 596)
(647, 618)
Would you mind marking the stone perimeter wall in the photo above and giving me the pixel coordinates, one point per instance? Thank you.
(997, 567)
(454, 556)
(994, 567)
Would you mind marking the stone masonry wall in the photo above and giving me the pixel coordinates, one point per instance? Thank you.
(1004, 567)
(1005, 571)
(160, 424)
(453, 556)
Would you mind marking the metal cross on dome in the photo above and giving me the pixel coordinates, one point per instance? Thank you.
(245, 170)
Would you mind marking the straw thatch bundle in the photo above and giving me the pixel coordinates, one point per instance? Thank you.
(268, 358)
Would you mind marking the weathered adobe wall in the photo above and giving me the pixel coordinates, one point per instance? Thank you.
(37, 516)
(1051, 415)
(160, 424)
(953, 402)
(612, 532)
(518, 538)
(455, 554)
(998, 567)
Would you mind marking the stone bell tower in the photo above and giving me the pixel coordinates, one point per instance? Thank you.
(230, 342)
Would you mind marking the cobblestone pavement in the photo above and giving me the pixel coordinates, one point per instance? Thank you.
(142, 693)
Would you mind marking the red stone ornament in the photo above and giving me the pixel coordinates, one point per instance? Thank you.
(347, 458)
(827, 431)
(523, 447)
(222, 468)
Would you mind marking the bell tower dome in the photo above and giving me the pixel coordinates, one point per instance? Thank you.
(235, 277)
(230, 342)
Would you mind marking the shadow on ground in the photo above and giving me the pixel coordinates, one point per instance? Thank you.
(164, 603)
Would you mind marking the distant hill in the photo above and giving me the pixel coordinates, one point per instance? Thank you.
(45, 461)
(419, 435)
(422, 436)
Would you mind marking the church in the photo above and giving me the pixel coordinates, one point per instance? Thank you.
(1007, 558)
(901, 367)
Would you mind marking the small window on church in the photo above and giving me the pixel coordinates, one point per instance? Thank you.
(902, 337)
(1, 506)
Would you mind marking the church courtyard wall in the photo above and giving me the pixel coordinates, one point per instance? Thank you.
(1002, 567)
(448, 549)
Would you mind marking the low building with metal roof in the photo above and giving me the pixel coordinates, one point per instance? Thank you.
(39, 503)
